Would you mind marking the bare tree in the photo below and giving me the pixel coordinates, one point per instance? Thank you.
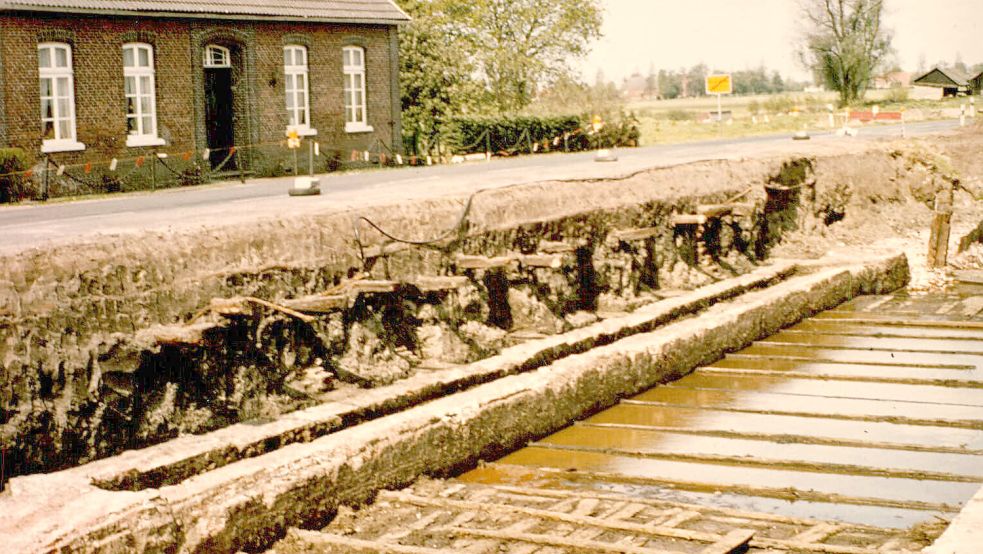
(845, 43)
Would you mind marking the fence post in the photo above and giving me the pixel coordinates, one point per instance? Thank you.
(487, 144)
(528, 140)
(153, 169)
(44, 186)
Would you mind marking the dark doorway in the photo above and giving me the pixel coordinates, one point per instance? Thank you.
(219, 122)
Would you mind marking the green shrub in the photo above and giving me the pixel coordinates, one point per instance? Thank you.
(13, 188)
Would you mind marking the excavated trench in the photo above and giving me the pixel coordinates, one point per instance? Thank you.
(242, 358)
(255, 363)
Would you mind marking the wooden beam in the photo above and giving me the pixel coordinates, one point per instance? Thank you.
(318, 304)
(714, 210)
(483, 262)
(549, 261)
(551, 540)
(435, 284)
(688, 219)
(736, 539)
(367, 286)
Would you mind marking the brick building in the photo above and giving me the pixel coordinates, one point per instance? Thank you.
(84, 81)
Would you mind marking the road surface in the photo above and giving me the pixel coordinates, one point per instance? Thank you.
(29, 226)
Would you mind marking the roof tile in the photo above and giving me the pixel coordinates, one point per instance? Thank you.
(356, 11)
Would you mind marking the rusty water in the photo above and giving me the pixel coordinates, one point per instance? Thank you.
(871, 413)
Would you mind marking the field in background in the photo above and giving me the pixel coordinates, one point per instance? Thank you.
(688, 119)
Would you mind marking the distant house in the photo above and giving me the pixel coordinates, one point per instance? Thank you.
(895, 79)
(976, 84)
(942, 82)
(638, 87)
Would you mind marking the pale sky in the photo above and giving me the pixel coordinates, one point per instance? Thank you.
(744, 34)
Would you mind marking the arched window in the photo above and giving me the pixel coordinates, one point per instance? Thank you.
(353, 66)
(141, 95)
(57, 80)
(297, 89)
(217, 56)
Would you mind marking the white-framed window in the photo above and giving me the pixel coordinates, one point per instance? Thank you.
(140, 91)
(297, 89)
(353, 66)
(57, 81)
(217, 56)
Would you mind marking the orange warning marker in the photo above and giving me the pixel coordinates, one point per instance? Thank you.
(139, 161)
(186, 156)
(88, 168)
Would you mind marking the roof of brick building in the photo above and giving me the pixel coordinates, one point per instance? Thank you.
(341, 11)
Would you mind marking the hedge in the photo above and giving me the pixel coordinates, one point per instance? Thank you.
(509, 135)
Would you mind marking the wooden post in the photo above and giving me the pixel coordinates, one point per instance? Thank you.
(153, 170)
(938, 242)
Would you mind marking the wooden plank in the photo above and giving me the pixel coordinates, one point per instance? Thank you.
(231, 307)
(938, 242)
(318, 304)
(435, 284)
(368, 286)
(688, 219)
(714, 210)
(548, 540)
(483, 262)
(736, 539)
(351, 544)
(818, 533)
(548, 261)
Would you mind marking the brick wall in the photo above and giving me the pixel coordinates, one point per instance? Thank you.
(260, 105)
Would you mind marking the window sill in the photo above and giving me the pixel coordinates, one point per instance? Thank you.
(53, 146)
(358, 128)
(303, 131)
(134, 141)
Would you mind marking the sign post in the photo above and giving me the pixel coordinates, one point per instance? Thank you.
(719, 84)
(303, 186)
(602, 154)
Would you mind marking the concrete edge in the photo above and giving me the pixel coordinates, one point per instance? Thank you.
(251, 503)
(965, 534)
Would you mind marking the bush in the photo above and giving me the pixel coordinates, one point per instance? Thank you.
(13, 188)
(519, 134)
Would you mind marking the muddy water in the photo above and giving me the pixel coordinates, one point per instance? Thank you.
(870, 413)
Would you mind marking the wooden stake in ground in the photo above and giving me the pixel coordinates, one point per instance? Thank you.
(938, 242)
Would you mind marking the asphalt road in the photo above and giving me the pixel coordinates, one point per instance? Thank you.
(28, 226)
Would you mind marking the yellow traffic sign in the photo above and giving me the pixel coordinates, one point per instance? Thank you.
(719, 84)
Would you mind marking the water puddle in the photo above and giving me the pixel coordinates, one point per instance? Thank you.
(871, 413)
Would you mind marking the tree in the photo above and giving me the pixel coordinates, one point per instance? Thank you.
(844, 43)
(519, 45)
(436, 72)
